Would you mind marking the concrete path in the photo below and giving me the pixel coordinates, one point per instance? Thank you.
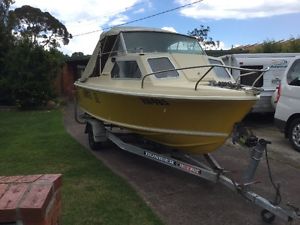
(180, 199)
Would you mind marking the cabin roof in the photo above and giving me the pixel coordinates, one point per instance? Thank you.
(117, 30)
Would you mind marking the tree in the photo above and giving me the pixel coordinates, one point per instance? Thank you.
(31, 72)
(39, 27)
(293, 45)
(77, 54)
(4, 10)
(272, 46)
(269, 46)
(6, 43)
(5, 32)
(27, 69)
(201, 35)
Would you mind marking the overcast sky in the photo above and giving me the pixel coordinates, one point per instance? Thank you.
(232, 22)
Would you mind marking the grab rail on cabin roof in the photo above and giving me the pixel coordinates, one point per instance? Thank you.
(211, 66)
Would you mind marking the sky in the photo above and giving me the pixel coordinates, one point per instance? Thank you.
(232, 22)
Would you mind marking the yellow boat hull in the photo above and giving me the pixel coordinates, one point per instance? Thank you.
(193, 126)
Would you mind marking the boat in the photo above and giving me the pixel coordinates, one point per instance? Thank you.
(162, 85)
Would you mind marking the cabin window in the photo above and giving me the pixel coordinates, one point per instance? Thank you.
(106, 48)
(160, 64)
(293, 76)
(118, 48)
(221, 72)
(126, 69)
(186, 47)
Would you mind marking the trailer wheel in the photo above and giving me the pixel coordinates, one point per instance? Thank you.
(94, 145)
(294, 134)
(267, 216)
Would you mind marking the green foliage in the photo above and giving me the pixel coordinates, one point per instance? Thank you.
(40, 27)
(6, 96)
(27, 70)
(202, 36)
(6, 43)
(271, 46)
(4, 9)
(30, 74)
(293, 45)
(5, 33)
(77, 54)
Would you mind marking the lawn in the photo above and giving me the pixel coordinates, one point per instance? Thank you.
(35, 142)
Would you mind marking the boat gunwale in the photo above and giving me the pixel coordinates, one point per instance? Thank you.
(144, 93)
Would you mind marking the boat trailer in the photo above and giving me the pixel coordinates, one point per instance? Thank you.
(99, 133)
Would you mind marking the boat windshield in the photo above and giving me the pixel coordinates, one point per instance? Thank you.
(146, 41)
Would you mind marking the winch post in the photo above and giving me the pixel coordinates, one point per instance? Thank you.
(256, 155)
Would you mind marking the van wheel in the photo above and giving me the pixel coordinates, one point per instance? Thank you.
(94, 145)
(294, 134)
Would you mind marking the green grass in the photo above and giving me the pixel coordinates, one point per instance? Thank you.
(35, 142)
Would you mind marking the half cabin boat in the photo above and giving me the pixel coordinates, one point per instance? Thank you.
(162, 86)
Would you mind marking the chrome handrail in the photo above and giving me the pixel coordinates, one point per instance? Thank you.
(204, 75)
(251, 71)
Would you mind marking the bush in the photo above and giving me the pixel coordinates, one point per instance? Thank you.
(31, 72)
(271, 46)
(6, 97)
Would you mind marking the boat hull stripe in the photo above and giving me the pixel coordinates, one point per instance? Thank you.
(161, 130)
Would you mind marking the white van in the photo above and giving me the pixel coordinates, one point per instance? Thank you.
(277, 62)
(287, 114)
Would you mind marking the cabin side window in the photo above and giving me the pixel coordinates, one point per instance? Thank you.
(160, 64)
(106, 48)
(117, 48)
(110, 46)
(126, 69)
(293, 76)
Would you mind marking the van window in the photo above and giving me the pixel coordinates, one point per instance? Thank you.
(249, 80)
(126, 69)
(293, 76)
(159, 64)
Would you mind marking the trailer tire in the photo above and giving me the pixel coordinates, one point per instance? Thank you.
(94, 145)
(294, 134)
(267, 216)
